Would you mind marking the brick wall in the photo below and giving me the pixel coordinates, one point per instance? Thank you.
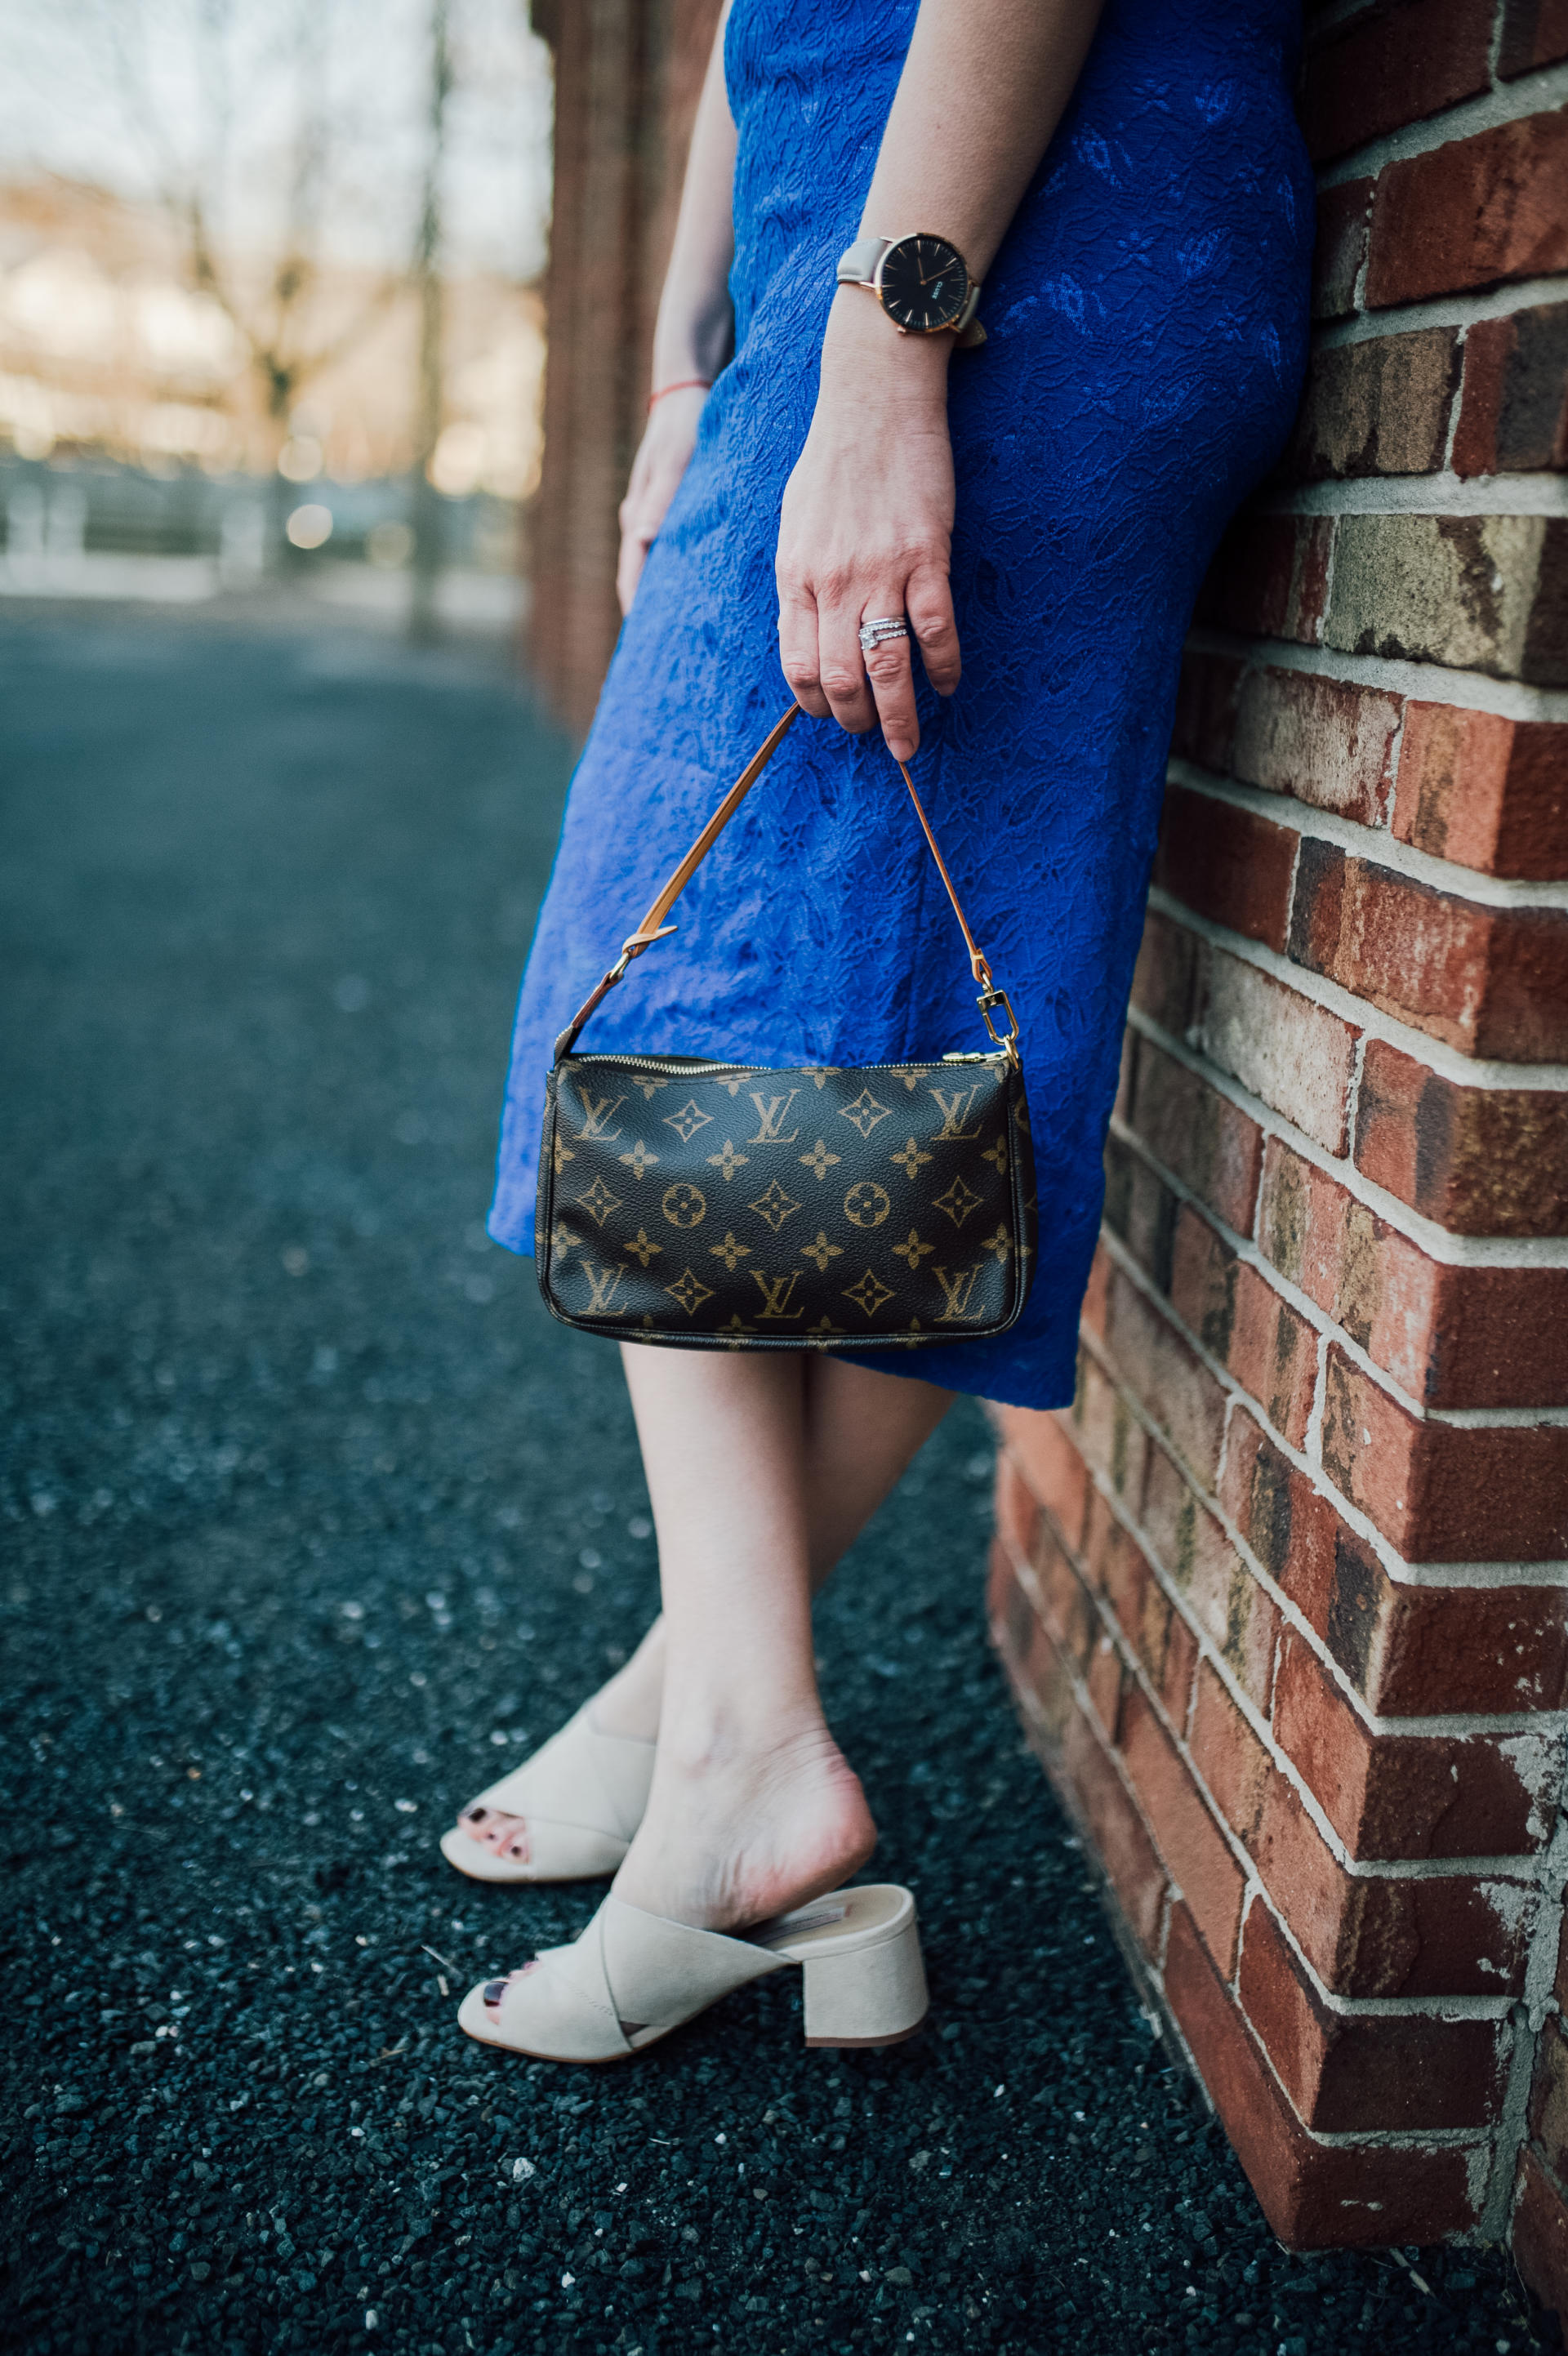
(628, 77)
(1283, 1595)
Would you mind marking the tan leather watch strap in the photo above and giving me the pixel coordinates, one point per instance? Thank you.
(653, 928)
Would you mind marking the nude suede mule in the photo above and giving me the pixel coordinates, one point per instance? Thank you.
(632, 1978)
(583, 1794)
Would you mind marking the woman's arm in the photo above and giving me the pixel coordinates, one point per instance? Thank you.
(867, 516)
(692, 338)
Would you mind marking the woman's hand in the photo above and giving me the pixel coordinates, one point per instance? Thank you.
(663, 458)
(866, 528)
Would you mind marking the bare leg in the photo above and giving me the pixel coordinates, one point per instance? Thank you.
(856, 1430)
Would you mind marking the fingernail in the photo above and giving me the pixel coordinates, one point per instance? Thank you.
(494, 1991)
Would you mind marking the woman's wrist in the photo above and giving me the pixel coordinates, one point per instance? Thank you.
(865, 357)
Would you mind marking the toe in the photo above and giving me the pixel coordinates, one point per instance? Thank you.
(508, 1836)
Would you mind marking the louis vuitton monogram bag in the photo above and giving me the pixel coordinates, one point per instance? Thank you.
(726, 1205)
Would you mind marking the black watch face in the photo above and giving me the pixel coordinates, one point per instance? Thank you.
(923, 284)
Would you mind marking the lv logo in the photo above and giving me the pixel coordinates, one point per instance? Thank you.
(776, 1294)
(770, 1111)
(604, 1283)
(953, 1105)
(956, 1291)
(595, 1116)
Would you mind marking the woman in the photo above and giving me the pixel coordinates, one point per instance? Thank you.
(1128, 185)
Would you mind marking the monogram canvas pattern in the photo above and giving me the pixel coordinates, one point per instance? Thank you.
(715, 1205)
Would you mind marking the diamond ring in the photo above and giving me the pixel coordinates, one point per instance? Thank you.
(874, 634)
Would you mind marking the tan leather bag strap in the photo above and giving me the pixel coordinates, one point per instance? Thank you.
(654, 929)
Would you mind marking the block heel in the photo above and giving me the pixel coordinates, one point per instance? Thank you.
(867, 1996)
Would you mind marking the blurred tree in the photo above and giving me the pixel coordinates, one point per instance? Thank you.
(183, 72)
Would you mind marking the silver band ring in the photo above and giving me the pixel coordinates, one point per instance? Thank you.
(876, 634)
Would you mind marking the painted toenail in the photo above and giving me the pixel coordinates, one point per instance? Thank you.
(519, 1848)
(475, 1816)
(494, 1991)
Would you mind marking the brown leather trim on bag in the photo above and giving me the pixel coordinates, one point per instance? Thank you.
(653, 928)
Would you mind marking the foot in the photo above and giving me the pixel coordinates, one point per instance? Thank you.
(732, 1838)
(627, 1705)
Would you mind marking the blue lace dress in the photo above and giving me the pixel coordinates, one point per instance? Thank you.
(1147, 322)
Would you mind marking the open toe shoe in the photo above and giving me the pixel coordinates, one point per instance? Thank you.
(582, 1795)
(633, 1976)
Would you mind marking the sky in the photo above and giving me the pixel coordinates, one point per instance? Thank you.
(150, 97)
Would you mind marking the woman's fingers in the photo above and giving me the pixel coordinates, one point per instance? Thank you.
(929, 601)
(842, 667)
(798, 651)
(892, 680)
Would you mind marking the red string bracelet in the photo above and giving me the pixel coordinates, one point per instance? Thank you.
(682, 384)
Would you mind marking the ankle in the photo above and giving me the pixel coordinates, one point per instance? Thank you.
(726, 1735)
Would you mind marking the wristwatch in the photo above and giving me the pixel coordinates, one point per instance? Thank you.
(922, 282)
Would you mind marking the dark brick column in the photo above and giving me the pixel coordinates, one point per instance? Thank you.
(627, 76)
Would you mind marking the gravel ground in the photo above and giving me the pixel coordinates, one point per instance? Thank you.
(314, 1521)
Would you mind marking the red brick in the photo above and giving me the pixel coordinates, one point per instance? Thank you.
(1544, 659)
(1201, 1136)
(1158, 1634)
(1534, 32)
(1039, 1674)
(1472, 213)
(1450, 1336)
(1296, 1055)
(1488, 981)
(1114, 1441)
(1484, 791)
(1269, 577)
(1037, 1455)
(1314, 2195)
(1364, 1934)
(1243, 1322)
(1218, 1588)
(1103, 1680)
(1205, 710)
(1548, 2096)
(1141, 1209)
(1191, 1842)
(1479, 1162)
(1319, 740)
(1440, 1493)
(1401, 2073)
(1540, 2233)
(1166, 1377)
(1229, 866)
(1164, 978)
(1016, 1509)
(1343, 217)
(1064, 1605)
(1513, 416)
(1390, 65)
(1409, 1651)
(1411, 1795)
(1377, 407)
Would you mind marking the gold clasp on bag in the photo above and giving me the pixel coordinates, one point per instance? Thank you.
(989, 997)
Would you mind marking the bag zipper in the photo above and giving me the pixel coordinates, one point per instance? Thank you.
(704, 1064)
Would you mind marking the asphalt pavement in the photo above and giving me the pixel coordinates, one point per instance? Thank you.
(311, 1521)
